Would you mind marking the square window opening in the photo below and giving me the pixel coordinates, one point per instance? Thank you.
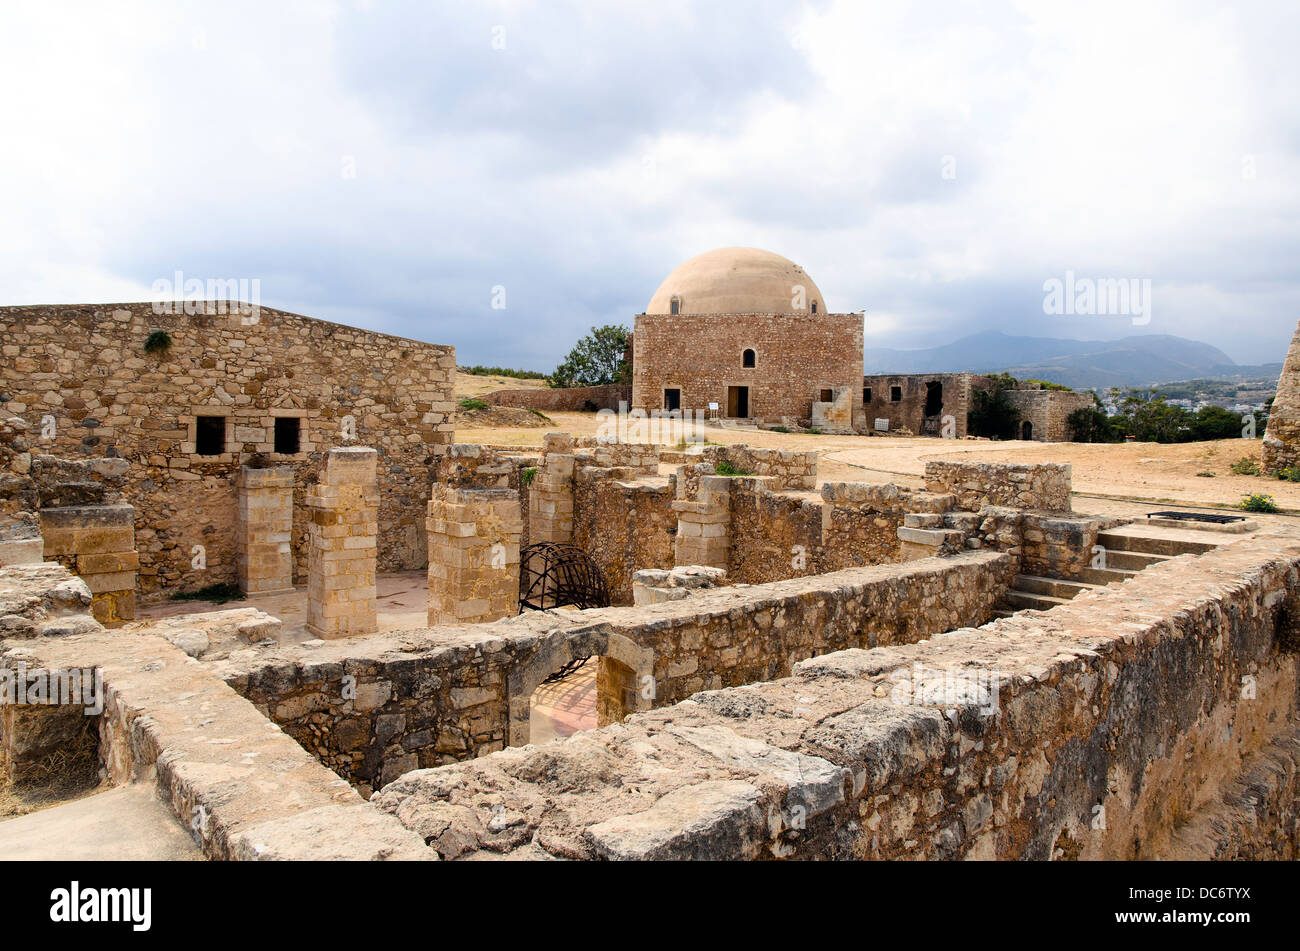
(287, 435)
(895, 394)
(210, 435)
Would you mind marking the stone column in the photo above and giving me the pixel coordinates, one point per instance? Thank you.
(704, 525)
(264, 532)
(98, 543)
(473, 555)
(342, 532)
(550, 497)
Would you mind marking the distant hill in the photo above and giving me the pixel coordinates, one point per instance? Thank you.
(1130, 361)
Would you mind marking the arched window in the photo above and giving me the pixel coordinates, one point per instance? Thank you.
(676, 306)
(814, 307)
(747, 358)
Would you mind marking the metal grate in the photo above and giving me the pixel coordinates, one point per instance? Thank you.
(1198, 517)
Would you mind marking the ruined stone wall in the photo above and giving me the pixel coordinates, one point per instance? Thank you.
(1044, 486)
(796, 357)
(624, 525)
(908, 411)
(1048, 411)
(571, 399)
(85, 368)
(773, 536)
(421, 698)
(1151, 720)
(789, 468)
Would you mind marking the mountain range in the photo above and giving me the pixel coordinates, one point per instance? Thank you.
(1139, 360)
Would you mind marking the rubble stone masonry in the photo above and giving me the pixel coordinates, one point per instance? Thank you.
(80, 379)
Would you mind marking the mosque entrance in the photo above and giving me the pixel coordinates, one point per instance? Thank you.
(738, 402)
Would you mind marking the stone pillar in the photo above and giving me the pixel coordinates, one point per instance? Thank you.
(473, 555)
(98, 543)
(264, 533)
(1281, 447)
(704, 525)
(550, 496)
(342, 535)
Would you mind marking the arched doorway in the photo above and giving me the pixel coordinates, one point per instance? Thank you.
(1027, 430)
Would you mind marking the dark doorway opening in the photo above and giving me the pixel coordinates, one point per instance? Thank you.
(738, 402)
(672, 400)
(1026, 430)
(933, 398)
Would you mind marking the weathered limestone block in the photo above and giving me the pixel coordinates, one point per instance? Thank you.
(264, 533)
(342, 545)
(98, 543)
(550, 498)
(473, 555)
(20, 540)
(654, 585)
(704, 525)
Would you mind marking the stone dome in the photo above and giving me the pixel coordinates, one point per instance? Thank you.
(736, 281)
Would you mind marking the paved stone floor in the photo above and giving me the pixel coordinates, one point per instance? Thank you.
(565, 707)
(122, 824)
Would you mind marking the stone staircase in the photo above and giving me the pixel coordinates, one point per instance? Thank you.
(1128, 550)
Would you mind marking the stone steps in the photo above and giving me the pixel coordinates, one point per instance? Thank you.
(1055, 587)
(1105, 576)
(1019, 600)
(1167, 545)
(1131, 560)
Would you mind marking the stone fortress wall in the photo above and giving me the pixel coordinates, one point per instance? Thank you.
(84, 370)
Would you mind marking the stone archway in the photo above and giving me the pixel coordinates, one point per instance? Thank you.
(1027, 430)
(624, 668)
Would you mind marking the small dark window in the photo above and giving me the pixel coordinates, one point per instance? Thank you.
(210, 435)
(866, 394)
(827, 396)
(676, 306)
(747, 359)
(814, 307)
(895, 394)
(287, 429)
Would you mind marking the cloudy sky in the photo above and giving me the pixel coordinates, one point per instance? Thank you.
(389, 164)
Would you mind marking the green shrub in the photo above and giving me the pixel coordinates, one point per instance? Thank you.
(477, 370)
(1206, 475)
(1245, 466)
(780, 429)
(471, 402)
(725, 468)
(528, 475)
(540, 415)
(813, 430)
(1289, 474)
(1258, 502)
(160, 341)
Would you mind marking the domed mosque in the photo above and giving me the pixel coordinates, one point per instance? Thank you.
(743, 333)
